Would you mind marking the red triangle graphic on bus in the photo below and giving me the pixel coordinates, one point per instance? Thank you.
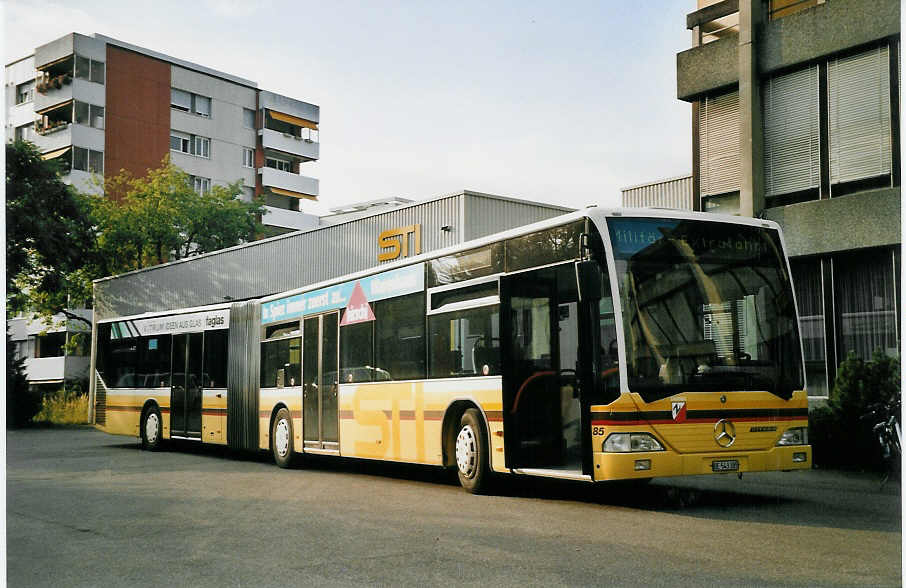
(357, 310)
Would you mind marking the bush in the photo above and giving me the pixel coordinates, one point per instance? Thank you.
(65, 407)
(838, 435)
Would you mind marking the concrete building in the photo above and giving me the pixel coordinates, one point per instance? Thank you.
(795, 118)
(48, 364)
(104, 105)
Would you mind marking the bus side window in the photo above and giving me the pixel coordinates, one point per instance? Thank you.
(609, 360)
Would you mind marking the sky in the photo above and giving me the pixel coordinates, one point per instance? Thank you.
(555, 102)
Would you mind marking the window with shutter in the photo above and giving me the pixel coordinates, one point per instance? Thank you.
(859, 115)
(719, 144)
(792, 131)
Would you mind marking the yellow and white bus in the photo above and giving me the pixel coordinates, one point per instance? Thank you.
(600, 345)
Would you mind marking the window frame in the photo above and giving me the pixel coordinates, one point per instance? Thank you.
(29, 94)
(248, 157)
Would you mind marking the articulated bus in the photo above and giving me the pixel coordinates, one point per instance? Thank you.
(600, 345)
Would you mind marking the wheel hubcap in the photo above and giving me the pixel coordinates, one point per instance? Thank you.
(281, 437)
(151, 424)
(466, 451)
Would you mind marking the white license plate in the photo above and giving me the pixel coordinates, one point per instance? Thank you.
(725, 465)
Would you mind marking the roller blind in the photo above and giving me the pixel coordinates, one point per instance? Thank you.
(792, 132)
(719, 144)
(859, 115)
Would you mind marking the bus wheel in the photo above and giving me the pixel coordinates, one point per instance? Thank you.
(472, 453)
(151, 429)
(282, 438)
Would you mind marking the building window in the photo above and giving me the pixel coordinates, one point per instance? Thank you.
(719, 161)
(809, 288)
(180, 142)
(865, 303)
(248, 157)
(89, 69)
(25, 132)
(89, 115)
(201, 185)
(87, 160)
(859, 115)
(279, 164)
(188, 102)
(190, 144)
(202, 147)
(25, 92)
(180, 100)
(248, 118)
(792, 131)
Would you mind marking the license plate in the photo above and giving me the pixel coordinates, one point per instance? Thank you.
(725, 465)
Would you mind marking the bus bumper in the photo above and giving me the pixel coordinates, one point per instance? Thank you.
(626, 466)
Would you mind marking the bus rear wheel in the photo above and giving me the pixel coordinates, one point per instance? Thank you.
(472, 453)
(282, 438)
(151, 426)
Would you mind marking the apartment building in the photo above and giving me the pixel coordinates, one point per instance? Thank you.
(102, 105)
(795, 118)
(49, 363)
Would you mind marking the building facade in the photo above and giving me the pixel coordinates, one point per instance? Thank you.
(795, 118)
(49, 363)
(102, 105)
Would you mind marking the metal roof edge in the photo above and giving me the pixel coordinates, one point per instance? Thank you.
(656, 182)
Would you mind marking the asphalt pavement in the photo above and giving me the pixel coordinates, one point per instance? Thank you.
(89, 509)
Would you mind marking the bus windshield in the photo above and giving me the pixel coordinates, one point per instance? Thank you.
(707, 306)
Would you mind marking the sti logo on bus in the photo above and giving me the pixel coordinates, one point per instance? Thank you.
(397, 241)
(679, 411)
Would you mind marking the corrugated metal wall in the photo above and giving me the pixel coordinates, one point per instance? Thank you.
(277, 265)
(486, 214)
(672, 193)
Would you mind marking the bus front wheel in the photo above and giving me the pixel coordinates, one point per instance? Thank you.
(472, 453)
(282, 438)
(151, 426)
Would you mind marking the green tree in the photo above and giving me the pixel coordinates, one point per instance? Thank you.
(21, 403)
(49, 235)
(158, 218)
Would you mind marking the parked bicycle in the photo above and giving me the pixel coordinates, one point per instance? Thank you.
(886, 416)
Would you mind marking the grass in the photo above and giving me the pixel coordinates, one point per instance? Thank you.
(63, 408)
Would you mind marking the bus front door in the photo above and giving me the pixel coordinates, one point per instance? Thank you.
(320, 382)
(540, 348)
(185, 391)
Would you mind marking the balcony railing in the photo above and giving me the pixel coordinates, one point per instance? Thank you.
(288, 219)
(308, 149)
(274, 178)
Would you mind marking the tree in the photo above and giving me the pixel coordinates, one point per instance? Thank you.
(160, 217)
(49, 235)
(21, 403)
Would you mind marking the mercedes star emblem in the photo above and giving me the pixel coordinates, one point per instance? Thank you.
(724, 433)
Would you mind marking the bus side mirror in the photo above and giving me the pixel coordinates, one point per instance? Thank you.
(589, 280)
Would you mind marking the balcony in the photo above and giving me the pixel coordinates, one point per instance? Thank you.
(53, 138)
(45, 369)
(302, 185)
(288, 219)
(796, 32)
(306, 148)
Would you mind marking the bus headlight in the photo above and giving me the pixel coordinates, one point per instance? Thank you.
(631, 443)
(794, 436)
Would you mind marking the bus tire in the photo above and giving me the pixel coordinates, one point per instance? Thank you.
(472, 453)
(151, 429)
(282, 438)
